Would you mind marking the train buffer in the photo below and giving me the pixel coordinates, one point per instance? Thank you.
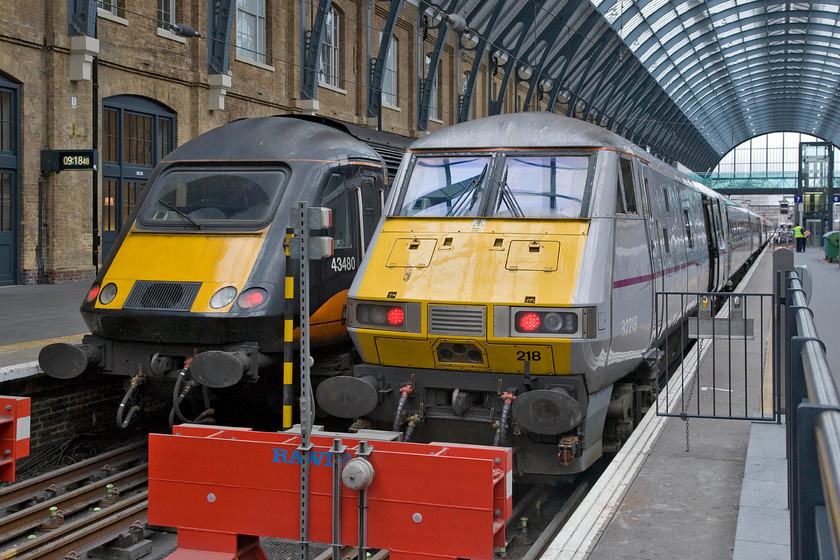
(14, 434)
(223, 488)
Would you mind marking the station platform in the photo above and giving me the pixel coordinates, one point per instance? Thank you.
(724, 497)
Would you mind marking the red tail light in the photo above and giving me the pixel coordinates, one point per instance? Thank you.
(94, 291)
(529, 322)
(396, 316)
(252, 298)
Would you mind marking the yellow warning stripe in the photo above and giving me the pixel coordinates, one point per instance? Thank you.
(42, 342)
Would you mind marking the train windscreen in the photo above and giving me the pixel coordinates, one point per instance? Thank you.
(224, 198)
(542, 187)
(523, 186)
(445, 186)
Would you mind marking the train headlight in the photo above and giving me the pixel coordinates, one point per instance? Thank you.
(223, 297)
(392, 316)
(252, 297)
(108, 293)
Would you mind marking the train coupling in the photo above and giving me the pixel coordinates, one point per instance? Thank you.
(66, 361)
(217, 369)
(567, 449)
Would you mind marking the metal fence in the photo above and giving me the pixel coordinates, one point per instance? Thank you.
(731, 342)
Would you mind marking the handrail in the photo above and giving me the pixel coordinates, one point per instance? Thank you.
(814, 434)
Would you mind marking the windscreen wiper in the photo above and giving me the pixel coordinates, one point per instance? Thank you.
(471, 194)
(180, 213)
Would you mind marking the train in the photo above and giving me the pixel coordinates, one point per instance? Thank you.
(508, 294)
(196, 278)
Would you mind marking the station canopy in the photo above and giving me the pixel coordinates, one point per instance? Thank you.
(689, 80)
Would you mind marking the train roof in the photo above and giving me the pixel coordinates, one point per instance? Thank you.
(274, 139)
(531, 129)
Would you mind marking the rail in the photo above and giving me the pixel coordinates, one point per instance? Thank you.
(813, 437)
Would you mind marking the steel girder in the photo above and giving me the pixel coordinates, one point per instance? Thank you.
(82, 17)
(377, 64)
(425, 85)
(220, 35)
(312, 41)
(465, 99)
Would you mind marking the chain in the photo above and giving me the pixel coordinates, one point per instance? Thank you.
(691, 393)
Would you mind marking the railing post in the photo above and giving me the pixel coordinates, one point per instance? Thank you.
(807, 492)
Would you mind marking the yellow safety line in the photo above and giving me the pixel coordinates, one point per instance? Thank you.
(42, 342)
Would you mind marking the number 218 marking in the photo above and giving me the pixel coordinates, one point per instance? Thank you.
(528, 356)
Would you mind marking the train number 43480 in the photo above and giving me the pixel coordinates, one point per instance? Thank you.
(341, 264)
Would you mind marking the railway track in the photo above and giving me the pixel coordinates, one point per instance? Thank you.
(67, 512)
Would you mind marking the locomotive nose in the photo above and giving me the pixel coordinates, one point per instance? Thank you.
(547, 411)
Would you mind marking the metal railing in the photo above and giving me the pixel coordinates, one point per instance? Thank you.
(717, 378)
(813, 433)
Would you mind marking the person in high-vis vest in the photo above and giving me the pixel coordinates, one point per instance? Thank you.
(800, 239)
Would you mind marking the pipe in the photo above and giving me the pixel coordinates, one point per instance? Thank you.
(405, 392)
(501, 431)
(136, 381)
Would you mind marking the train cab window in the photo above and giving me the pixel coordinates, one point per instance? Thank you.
(223, 197)
(666, 243)
(542, 187)
(629, 185)
(666, 199)
(336, 198)
(688, 237)
(445, 186)
(619, 199)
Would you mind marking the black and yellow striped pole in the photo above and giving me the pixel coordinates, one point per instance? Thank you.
(288, 332)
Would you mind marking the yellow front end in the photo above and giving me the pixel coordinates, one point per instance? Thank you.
(463, 283)
(213, 260)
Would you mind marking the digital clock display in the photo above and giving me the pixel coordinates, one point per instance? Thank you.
(76, 160)
(56, 161)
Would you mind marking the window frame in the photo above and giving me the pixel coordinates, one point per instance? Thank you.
(259, 52)
(329, 66)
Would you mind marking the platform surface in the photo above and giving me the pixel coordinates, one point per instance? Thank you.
(709, 488)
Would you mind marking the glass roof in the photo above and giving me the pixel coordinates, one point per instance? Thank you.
(688, 79)
(776, 63)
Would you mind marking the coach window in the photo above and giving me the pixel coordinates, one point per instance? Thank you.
(688, 237)
(137, 133)
(665, 241)
(629, 185)
(619, 199)
(667, 200)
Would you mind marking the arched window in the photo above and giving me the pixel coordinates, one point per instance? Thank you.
(329, 69)
(250, 30)
(9, 180)
(137, 133)
(389, 76)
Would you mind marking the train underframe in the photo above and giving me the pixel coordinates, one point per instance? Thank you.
(558, 429)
